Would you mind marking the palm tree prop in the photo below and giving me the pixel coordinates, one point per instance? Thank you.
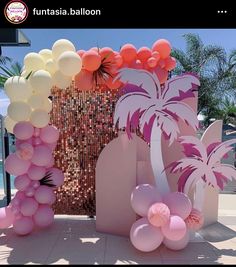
(156, 110)
(203, 163)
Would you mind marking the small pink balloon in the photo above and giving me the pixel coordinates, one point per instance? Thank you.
(36, 141)
(53, 199)
(44, 194)
(36, 172)
(23, 130)
(28, 206)
(29, 191)
(57, 176)
(144, 236)
(18, 216)
(19, 142)
(42, 155)
(15, 210)
(36, 132)
(16, 166)
(25, 151)
(175, 229)
(52, 146)
(158, 214)
(178, 203)
(35, 184)
(177, 245)
(44, 216)
(142, 197)
(49, 134)
(19, 196)
(22, 182)
(23, 226)
(51, 163)
(6, 217)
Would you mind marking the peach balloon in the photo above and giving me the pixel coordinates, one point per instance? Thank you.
(84, 80)
(128, 52)
(144, 53)
(170, 63)
(81, 52)
(163, 47)
(158, 214)
(195, 220)
(91, 60)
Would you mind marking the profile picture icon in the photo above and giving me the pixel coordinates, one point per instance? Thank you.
(16, 12)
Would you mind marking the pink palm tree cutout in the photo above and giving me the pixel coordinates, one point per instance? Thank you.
(203, 163)
(156, 110)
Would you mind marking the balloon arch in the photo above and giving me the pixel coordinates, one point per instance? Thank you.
(165, 217)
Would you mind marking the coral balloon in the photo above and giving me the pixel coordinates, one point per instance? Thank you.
(142, 197)
(6, 217)
(195, 220)
(9, 124)
(22, 182)
(158, 214)
(144, 236)
(42, 155)
(156, 55)
(118, 60)
(57, 176)
(41, 81)
(170, 63)
(28, 206)
(81, 52)
(19, 111)
(16, 166)
(137, 64)
(144, 53)
(44, 194)
(84, 80)
(44, 216)
(163, 47)
(162, 63)
(91, 60)
(178, 203)
(60, 80)
(23, 130)
(162, 74)
(152, 62)
(25, 151)
(33, 62)
(128, 52)
(175, 229)
(39, 118)
(61, 46)
(23, 226)
(111, 84)
(49, 134)
(177, 244)
(36, 101)
(69, 63)
(107, 54)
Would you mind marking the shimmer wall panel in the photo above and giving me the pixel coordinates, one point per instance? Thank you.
(85, 122)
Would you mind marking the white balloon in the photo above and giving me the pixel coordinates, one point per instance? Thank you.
(51, 66)
(47, 105)
(36, 101)
(17, 88)
(39, 118)
(46, 54)
(19, 111)
(61, 46)
(60, 80)
(41, 81)
(69, 63)
(9, 124)
(33, 62)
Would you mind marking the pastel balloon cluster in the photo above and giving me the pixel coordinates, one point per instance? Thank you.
(156, 60)
(29, 92)
(165, 219)
(36, 178)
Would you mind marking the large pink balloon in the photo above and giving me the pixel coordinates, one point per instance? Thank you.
(16, 166)
(44, 194)
(23, 130)
(23, 226)
(144, 236)
(49, 134)
(28, 206)
(22, 182)
(36, 141)
(42, 155)
(142, 197)
(57, 176)
(25, 151)
(52, 146)
(175, 229)
(44, 216)
(179, 244)
(178, 203)
(51, 163)
(6, 217)
(36, 172)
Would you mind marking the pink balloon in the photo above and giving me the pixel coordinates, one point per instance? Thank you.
(19, 196)
(142, 197)
(144, 236)
(36, 141)
(42, 155)
(53, 199)
(128, 52)
(28, 206)
(44, 194)
(16, 166)
(29, 191)
(175, 229)
(6, 217)
(57, 176)
(158, 214)
(25, 151)
(36, 132)
(35, 184)
(178, 203)
(36, 172)
(23, 226)
(52, 146)
(49, 134)
(179, 244)
(22, 182)
(15, 210)
(23, 130)
(19, 142)
(44, 216)
(51, 163)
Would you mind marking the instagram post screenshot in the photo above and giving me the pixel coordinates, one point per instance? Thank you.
(117, 133)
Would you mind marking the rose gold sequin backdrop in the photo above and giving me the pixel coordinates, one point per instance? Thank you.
(85, 122)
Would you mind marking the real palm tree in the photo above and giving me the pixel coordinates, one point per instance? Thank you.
(7, 72)
(156, 110)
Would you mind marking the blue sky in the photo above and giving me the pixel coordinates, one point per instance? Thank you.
(87, 38)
